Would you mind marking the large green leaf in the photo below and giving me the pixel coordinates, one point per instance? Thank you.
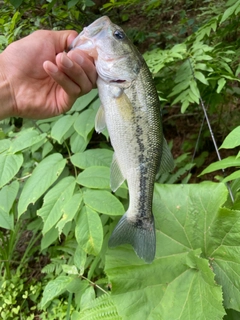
(43, 176)
(89, 231)
(9, 166)
(103, 202)
(61, 126)
(25, 139)
(232, 140)
(54, 288)
(198, 249)
(55, 201)
(223, 164)
(92, 157)
(95, 177)
(7, 196)
(85, 122)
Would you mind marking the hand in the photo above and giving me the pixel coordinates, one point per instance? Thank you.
(44, 81)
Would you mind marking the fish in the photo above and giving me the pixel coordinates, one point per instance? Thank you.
(130, 110)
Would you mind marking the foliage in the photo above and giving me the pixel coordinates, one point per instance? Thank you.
(54, 183)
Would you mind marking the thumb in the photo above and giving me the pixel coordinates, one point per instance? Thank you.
(63, 39)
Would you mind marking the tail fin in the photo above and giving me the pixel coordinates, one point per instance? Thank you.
(139, 233)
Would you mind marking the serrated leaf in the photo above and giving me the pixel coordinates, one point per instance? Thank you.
(61, 126)
(43, 176)
(100, 308)
(7, 196)
(103, 202)
(89, 231)
(95, 178)
(54, 288)
(9, 166)
(92, 157)
(232, 140)
(54, 202)
(180, 283)
(224, 251)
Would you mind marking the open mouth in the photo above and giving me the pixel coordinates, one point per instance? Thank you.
(118, 81)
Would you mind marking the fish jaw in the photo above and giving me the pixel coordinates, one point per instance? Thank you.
(115, 60)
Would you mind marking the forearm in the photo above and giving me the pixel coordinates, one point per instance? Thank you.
(6, 98)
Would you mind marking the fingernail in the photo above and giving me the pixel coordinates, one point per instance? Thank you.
(51, 67)
(75, 56)
(67, 63)
(78, 58)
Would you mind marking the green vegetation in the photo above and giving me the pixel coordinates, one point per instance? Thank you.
(56, 207)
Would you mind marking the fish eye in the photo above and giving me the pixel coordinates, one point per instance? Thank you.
(119, 35)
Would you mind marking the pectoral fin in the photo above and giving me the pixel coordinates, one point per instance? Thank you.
(167, 162)
(116, 178)
(100, 123)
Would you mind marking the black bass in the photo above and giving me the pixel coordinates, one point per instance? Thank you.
(131, 112)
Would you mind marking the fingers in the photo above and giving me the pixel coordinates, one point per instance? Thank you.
(86, 63)
(74, 72)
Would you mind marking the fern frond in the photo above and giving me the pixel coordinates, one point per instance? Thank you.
(99, 309)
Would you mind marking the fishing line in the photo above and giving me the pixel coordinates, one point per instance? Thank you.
(211, 132)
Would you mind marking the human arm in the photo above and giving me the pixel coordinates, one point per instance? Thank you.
(38, 80)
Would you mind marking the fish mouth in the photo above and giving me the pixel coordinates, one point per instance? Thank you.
(118, 81)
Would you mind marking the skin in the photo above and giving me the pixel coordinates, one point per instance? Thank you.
(39, 80)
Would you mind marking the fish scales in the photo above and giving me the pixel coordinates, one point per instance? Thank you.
(131, 112)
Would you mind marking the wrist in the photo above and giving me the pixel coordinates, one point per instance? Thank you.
(6, 97)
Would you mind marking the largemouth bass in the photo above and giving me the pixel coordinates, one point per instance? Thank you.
(131, 112)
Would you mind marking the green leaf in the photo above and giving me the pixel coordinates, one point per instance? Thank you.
(180, 283)
(54, 288)
(100, 308)
(95, 178)
(61, 126)
(92, 157)
(25, 139)
(84, 101)
(223, 164)
(227, 13)
(221, 84)
(224, 251)
(80, 258)
(43, 176)
(89, 231)
(55, 201)
(69, 210)
(233, 176)
(85, 122)
(7, 196)
(9, 166)
(232, 140)
(200, 76)
(103, 202)
(49, 238)
(78, 143)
